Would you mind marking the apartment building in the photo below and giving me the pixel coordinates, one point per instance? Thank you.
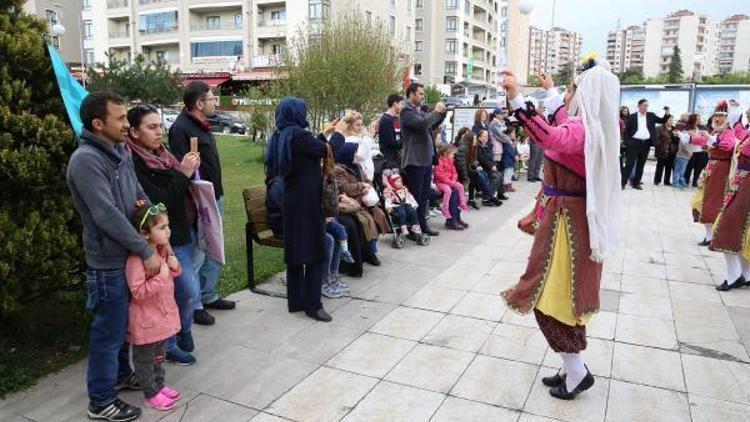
(550, 51)
(228, 36)
(733, 49)
(66, 13)
(516, 39)
(456, 42)
(625, 48)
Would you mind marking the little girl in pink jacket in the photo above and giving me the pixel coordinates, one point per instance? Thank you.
(446, 180)
(153, 316)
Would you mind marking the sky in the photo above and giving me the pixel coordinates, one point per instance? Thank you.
(594, 18)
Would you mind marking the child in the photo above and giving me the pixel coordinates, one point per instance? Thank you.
(400, 203)
(446, 179)
(522, 159)
(338, 231)
(153, 317)
(509, 160)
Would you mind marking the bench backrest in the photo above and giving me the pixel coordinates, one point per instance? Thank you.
(255, 207)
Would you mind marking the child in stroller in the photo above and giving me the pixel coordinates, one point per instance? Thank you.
(401, 207)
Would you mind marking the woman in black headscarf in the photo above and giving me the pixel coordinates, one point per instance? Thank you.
(294, 154)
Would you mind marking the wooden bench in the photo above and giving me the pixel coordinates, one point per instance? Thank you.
(257, 228)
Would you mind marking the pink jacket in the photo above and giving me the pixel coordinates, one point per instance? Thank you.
(445, 171)
(563, 142)
(153, 314)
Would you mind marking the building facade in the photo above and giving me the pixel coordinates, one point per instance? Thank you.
(457, 42)
(516, 40)
(625, 48)
(733, 50)
(234, 36)
(550, 51)
(66, 13)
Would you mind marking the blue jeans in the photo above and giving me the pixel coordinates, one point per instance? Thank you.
(187, 289)
(108, 297)
(678, 175)
(453, 205)
(337, 230)
(483, 183)
(207, 270)
(333, 257)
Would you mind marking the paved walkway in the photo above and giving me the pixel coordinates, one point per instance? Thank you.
(426, 337)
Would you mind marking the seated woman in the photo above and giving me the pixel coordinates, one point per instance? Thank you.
(352, 183)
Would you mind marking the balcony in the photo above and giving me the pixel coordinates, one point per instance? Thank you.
(271, 29)
(117, 4)
(117, 35)
(159, 30)
(212, 27)
(270, 60)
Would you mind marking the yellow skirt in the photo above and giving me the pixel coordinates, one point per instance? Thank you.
(556, 299)
(696, 204)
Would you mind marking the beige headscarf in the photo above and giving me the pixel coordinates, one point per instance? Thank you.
(596, 102)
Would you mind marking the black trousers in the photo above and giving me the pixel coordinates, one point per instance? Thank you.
(637, 155)
(303, 283)
(418, 179)
(697, 163)
(357, 245)
(664, 166)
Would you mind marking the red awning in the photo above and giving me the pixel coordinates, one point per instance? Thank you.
(212, 80)
(255, 75)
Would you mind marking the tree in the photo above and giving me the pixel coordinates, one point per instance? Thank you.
(348, 63)
(40, 253)
(141, 81)
(532, 80)
(632, 76)
(432, 95)
(728, 79)
(674, 73)
(565, 76)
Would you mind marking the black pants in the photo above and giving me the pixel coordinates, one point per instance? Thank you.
(148, 360)
(357, 245)
(697, 163)
(418, 179)
(665, 166)
(637, 155)
(303, 283)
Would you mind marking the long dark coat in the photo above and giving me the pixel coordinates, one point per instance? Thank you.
(304, 225)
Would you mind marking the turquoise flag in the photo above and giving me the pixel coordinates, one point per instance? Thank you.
(71, 91)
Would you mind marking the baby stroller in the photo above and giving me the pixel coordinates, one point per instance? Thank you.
(399, 238)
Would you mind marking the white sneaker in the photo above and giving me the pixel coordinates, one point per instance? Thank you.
(328, 291)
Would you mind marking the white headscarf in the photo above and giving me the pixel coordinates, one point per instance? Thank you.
(596, 102)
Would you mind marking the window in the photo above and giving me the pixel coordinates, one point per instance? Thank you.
(368, 18)
(451, 4)
(418, 45)
(86, 4)
(408, 34)
(417, 69)
(161, 56)
(88, 29)
(278, 15)
(278, 49)
(238, 20)
(419, 24)
(155, 23)
(319, 9)
(408, 4)
(392, 25)
(56, 42)
(467, 7)
(450, 23)
(450, 45)
(213, 22)
(420, 4)
(216, 49)
(88, 57)
(393, 3)
(51, 16)
(450, 68)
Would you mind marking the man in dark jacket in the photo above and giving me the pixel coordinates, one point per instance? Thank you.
(102, 181)
(640, 133)
(389, 132)
(419, 153)
(200, 104)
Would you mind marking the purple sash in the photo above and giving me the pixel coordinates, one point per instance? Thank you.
(553, 191)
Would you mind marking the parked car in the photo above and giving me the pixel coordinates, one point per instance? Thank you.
(225, 123)
(168, 117)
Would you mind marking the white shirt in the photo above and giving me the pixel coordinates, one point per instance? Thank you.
(642, 132)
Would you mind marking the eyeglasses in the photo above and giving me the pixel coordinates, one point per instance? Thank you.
(153, 211)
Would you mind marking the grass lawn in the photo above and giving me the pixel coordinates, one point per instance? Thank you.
(54, 334)
(242, 167)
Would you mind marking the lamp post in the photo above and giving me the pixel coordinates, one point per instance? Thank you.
(58, 30)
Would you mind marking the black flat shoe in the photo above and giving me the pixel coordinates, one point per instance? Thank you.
(503, 197)
(638, 187)
(202, 317)
(473, 204)
(723, 287)
(705, 242)
(374, 261)
(554, 380)
(319, 315)
(561, 391)
(429, 232)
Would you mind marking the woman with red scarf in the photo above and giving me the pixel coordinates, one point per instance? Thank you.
(166, 180)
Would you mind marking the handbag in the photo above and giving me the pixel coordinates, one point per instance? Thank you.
(330, 196)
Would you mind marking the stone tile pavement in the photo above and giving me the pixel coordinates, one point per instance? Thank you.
(426, 337)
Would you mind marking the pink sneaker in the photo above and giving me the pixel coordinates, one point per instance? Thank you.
(160, 402)
(172, 394)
